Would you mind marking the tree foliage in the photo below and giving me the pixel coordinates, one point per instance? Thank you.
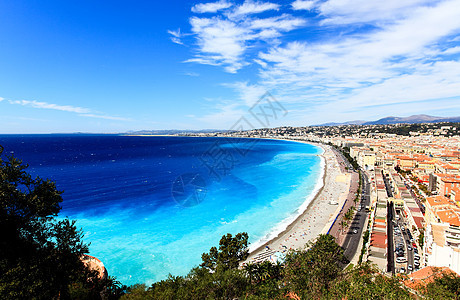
(445, 286)
(231, 251)
(40, 256)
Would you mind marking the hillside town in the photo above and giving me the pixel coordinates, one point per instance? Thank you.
(413, 171)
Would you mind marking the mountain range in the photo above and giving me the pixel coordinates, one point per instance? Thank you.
(396, 120)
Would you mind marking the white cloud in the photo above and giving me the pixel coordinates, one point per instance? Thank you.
(355, 62)
(248, 93)
(222, 42)
(449, 51)
(176, 36)
(282, 23)
(253, 7)
(303, 5)
(1, 99)
(223, 115)
(389, 54)
(104, 117)
(192, 74)
(81, 111)
(225, 42)
(45, 105)
(211, 7)
(362, 11)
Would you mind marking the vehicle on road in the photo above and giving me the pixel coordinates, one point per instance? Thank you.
(409, 268)
(401, 260)
(403, 270)
(409, 248)
(355, 231)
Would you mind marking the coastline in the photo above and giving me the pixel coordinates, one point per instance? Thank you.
(317, 216)
(314, 216)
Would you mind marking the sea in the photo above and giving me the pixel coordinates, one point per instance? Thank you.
(151, 205)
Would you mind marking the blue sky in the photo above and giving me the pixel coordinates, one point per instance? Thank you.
(114, 66)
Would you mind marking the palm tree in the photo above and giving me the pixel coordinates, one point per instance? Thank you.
(343, 225)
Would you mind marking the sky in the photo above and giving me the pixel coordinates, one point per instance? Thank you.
(115, 66)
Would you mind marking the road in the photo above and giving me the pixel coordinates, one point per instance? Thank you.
(402, 223)
(390, 239)
(351, 242)
(390, 229)
(344, 159)
(396, 221)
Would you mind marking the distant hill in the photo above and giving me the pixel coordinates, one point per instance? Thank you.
(170, 132)
(357, 122)
(395, 120)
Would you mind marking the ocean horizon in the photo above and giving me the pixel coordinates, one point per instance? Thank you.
(151, 205)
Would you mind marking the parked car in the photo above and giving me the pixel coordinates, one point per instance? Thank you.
(414, 244)
(403, 270)
(401, 260)
(409, 268)
(416, 263)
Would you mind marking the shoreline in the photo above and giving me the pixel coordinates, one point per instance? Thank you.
(309, 223)
(290, 226)
(316, 218)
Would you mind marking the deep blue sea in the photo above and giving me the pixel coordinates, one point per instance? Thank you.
(151, 205)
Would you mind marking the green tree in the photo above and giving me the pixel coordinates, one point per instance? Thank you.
(445, 286)
(312, 271)
(40, 256)
(343, 225)
(231, 251)
(138, 292)
(366, 282)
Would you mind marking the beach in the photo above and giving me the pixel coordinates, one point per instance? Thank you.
(317, 217)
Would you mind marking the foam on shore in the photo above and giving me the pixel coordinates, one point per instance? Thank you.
(284, 225)
(312, 218)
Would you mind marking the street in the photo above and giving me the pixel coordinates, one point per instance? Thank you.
(351, 241)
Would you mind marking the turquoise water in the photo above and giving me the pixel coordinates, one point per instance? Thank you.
(124, 193)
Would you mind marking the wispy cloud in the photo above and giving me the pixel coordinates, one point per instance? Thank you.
(225, 39)
(346, 56)
(303, 5)
(364, 11)
(248, 93)
(45, 105)
(105, 117)
(176, 36)
(221, 42)
(80, 111)
(252, 7)
(211, 7)
(192, 74)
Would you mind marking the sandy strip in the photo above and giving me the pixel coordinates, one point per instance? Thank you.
(318, 216)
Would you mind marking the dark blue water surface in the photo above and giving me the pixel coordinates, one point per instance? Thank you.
(151, 205)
